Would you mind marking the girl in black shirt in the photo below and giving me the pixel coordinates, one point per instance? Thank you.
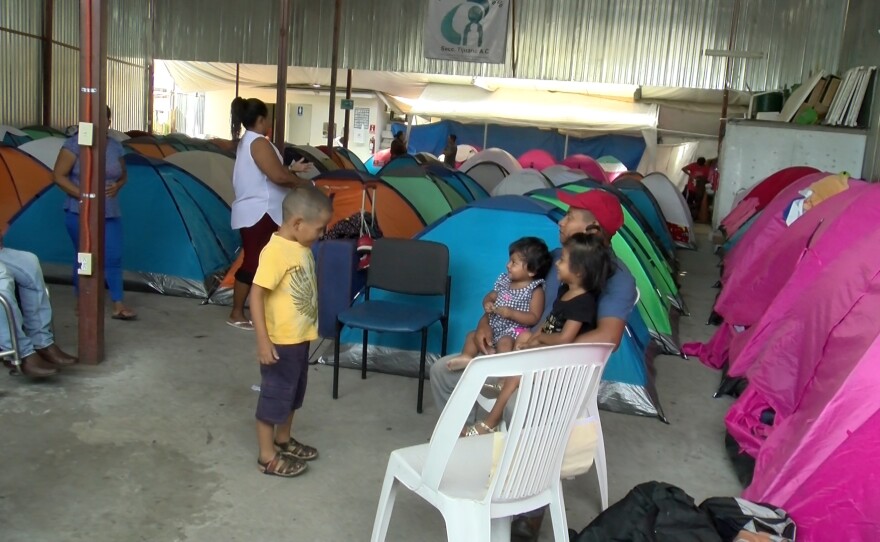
(583, 270)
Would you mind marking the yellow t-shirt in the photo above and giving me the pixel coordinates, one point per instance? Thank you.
(287, 270)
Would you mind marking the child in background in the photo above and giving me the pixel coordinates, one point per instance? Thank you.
(583, 270)
(516, 302)
(284, 309)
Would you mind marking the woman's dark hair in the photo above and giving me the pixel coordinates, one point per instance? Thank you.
(245, 113)
(590, 257)
(109, 113)
(535, 253)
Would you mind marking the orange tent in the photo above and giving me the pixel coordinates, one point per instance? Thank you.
(147, 146)
(22, 177)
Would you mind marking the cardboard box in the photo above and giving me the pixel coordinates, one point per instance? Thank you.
(830, 92)
(818, 91)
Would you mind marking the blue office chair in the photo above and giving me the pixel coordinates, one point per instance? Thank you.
(403, 266)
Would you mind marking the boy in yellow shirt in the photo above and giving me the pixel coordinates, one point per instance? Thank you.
(284, 309)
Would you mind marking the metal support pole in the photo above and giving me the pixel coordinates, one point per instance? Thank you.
(565, 152)
(281, 98)
(347, 129)
(722, 128)
(485, 135)
(334, 65)
(237, 78)
(151, 68)
(48, 25)
(92, 109)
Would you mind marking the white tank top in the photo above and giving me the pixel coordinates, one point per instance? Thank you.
(255, 194)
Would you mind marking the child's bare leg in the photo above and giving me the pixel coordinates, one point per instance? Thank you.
(522, 339)
(265, 438)
(283, 431)
(508, 387)
(505, 344)
(468, 353)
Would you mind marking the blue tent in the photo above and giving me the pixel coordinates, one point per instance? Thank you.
(478, 236)
(177, 230)
(647, 205)
(467, 188)
(401, 162)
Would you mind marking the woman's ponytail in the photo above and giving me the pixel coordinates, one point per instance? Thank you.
(237, 116)
(244, 113)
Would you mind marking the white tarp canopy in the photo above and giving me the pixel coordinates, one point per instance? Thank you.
(544, 109)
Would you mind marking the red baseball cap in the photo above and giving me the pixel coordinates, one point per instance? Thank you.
(603, 205)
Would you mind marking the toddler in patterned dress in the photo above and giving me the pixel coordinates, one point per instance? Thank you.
(515, 303)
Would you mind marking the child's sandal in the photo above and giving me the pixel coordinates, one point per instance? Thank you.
(283, 466)
(298, 450)
(472, 431)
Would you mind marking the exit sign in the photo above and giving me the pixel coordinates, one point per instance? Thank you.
(348, 104)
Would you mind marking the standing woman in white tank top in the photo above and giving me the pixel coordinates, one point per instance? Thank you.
(260, 181)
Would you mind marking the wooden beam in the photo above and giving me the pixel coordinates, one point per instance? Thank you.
(281, 97)
(48, 26)
(92, 109)
(334, 64)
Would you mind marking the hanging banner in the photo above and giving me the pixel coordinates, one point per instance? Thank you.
(468, 31)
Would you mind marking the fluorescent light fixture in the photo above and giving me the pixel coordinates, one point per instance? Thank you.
(733, 54)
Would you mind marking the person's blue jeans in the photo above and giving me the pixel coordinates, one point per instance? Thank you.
(112, 253)
(32, 313)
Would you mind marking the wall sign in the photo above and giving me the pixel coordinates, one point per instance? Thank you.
(468, 31)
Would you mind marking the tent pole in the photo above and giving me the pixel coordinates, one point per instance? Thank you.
(281, 97)
(48, 24)
(347, 128)
(485, 135)
(92, 105)
(334, 65)
(565, 151)
(409, 125)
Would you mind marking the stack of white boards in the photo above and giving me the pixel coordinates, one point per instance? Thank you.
(848, 101)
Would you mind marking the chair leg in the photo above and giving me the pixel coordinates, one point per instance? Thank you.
(339, 326)
(601, 465)
(445, 324)
(386, 505)
(364, 356)
(557, 514)
(501, 530)
(467, 522)
(422, 356)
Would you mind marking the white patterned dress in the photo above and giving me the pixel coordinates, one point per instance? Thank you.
(518, 300)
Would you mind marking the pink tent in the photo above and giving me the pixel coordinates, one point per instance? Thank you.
(762, 194)
(749, 290)
(537, 159)
(765, 230)
(845, 230)
(586, 164)
(816, 364)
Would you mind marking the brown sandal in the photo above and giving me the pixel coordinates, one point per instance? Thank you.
(297, 450)
(282, 465)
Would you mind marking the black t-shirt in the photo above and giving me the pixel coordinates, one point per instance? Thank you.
(581, 308)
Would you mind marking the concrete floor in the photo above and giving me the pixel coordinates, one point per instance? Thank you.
(157, 443)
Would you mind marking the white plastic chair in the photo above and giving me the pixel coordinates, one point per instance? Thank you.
(589, 414)
(456, 474)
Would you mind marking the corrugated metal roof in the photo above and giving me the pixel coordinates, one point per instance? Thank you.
(643, 42)
(21, 15)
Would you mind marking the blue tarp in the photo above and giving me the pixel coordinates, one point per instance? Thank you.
(517, 140)
(175, 227)
(478, 237)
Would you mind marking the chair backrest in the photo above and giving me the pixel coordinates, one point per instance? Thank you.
(409, 266)
(556, 382)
